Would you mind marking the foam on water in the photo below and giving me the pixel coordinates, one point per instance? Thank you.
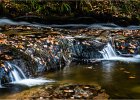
(32, 82)
(104, 26)
(137, 56)
(125, 59)
(5, 21)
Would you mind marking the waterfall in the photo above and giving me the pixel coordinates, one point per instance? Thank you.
(0, 85)
(15, 73)
(108, 51)
(16, 76)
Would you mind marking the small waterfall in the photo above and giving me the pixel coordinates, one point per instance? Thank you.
(15, 72)
(0, 85)
(15, 75)
(108, 52)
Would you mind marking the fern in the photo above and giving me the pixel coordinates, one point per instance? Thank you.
(65, 8)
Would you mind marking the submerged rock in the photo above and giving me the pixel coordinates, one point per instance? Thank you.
(67, 91)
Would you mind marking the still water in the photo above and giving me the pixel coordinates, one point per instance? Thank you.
(119, 79)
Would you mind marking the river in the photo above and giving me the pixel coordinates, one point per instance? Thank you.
(119, 76)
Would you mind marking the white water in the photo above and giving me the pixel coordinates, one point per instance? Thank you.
(125, 59)
(33, 82)
(16, 73)
(5, 21)
(18, 77)
(0, 85)
(109, 54)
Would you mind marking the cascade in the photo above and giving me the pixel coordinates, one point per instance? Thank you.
(15, 73)
(108, 52)
(0, 85)
(11, 73)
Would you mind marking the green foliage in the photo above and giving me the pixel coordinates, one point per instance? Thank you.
(39, 9)
(65, 8)
(86, 5)
(116, 8)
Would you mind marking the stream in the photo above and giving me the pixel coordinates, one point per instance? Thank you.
(71, 53)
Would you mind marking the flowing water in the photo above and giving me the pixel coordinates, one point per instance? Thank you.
(18, 77)
(118, 75)
(5, 21)
(16, 73)
(108, 52)
(18, 81)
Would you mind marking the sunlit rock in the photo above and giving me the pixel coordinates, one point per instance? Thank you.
(132, 77)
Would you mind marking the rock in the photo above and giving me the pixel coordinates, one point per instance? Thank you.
(85, 95)
(0, 29)
(55, 33)
(69, 91)
(41, 98)
(102, 96)
(8, 57)
(20, 46)
(72, 97)
(132, 77)
(3, 41)
(90, 67)
(131, 51)
(77, 96)
(86, 87)
(126, 72)
(122, 69)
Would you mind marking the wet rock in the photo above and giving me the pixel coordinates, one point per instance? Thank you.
(7, 57)
(132, 77)
(3, 41)
(41, 98)
(72, 91)
(0, 29)
(84, 48)
(101, 96)
(122, 68)
(68, 91)
(127, 72)
(19, 58)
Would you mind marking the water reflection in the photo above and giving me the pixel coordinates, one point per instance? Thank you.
(107, 69)
(114, 76)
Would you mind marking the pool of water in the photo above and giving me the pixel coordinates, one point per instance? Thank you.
(119, 79)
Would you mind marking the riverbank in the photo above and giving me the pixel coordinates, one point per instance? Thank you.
(62, 91)
(122, 13)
